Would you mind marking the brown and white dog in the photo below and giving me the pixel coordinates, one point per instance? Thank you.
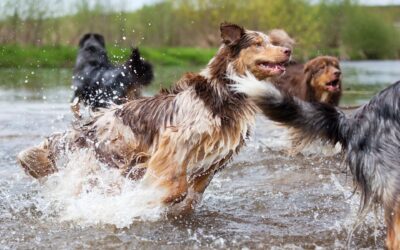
(316, 81)
(175, 141)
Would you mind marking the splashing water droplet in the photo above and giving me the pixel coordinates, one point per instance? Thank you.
(91, 194)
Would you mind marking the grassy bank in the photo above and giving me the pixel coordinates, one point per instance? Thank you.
(64, 56)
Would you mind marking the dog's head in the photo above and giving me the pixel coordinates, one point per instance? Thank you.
(253, 51)
(324, 73)
(92, 38)
(92, 48)
(279, 37)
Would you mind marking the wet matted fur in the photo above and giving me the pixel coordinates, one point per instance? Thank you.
(318, 80)
(370, 139)
(97, 82)
(177, 140)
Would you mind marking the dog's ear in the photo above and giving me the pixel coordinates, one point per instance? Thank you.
(310, 69)
(281, 38)
(100, 39)
(310, 66)
(231, 33)
(84, 38)
(307, 68)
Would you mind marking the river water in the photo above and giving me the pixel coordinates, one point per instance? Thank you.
(263, 199)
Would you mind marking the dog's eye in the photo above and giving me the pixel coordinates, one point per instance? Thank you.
(259, 44)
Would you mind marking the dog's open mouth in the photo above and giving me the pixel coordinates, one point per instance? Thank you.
(333, 85)
(272, 67)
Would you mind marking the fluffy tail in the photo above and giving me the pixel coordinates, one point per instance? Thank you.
(142, 69)
(311, 121)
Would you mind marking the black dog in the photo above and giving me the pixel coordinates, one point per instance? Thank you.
(97, 82)
(370, 139)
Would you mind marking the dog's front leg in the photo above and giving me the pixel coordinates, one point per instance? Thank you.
(166, 172)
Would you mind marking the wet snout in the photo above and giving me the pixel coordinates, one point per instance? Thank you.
(91, 48)
(336, 73)
(287, 51)
(278, 54)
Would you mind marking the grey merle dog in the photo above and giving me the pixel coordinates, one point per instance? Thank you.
(97, 82)
(370, 139)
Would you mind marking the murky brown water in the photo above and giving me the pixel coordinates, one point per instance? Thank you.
(264, 199)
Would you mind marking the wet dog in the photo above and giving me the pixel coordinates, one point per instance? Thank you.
(97, 82)
(177, 140)
(370, 140)
(319, 80)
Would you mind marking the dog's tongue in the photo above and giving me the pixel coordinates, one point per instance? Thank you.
(279, 67)
(333, 88)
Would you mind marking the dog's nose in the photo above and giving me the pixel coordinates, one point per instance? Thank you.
(337, 74)
(287, 51)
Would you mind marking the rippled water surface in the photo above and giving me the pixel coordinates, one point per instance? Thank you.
(263, 199)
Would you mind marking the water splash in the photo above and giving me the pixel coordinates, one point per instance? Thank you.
(88, 192)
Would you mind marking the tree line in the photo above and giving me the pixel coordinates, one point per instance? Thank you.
(340, 27)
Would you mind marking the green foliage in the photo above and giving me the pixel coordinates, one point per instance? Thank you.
(336, 27)
(64, 56)
(30, 56)
(369, 36)
(168, 56)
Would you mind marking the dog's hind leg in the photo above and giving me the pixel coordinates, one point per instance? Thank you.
(37, 161)
(393, 228)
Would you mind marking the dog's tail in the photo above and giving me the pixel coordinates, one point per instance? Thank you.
(140, 68)
(310, 121)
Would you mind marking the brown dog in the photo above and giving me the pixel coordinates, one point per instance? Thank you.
(176, 141)
(316, 81)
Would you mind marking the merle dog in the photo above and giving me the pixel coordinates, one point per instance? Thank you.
(97, 82)
(370, 140)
